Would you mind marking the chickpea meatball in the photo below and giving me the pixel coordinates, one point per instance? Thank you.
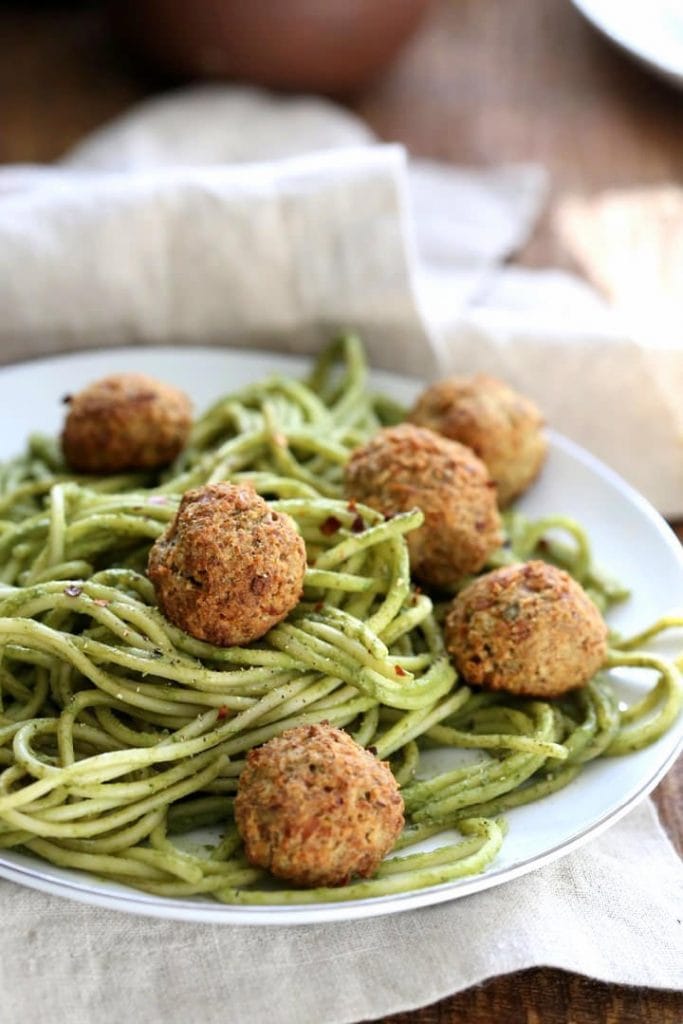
(229, 566)
(405, 467)
(529, 629)
(502, 427)
(315, 808)
(124, 422)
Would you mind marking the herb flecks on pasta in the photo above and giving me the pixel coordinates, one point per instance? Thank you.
(118, 731)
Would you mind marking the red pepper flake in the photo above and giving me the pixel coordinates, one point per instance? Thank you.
(399, 671)
(358, 524)
(100, 601)
(330, 526)
(222, 712)
(318, 606)
(352, 505)
(73, 591)
(158, 499)
(259, 583)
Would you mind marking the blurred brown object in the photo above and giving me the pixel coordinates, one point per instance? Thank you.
(328, 46)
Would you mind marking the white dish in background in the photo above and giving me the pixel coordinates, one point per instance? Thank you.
(651, 32)
(632, 542)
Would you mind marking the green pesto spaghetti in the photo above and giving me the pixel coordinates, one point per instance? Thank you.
(119, 732)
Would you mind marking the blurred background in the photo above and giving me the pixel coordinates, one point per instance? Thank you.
(474, 82)
(590, 91)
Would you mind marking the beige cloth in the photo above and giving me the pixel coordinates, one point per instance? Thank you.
(127, 242)
(611, 911)
(144, 234)
(630, 242)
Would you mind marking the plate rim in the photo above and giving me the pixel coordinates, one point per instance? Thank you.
(202, 911)
(594, 15)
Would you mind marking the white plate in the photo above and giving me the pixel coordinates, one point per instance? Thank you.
(632, 542)
(651, 32)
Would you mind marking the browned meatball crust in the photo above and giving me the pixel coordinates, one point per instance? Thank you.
(124, 422)
(229, 566)
(315, 808)
(405, 467)
(528, 629)
(502, 427)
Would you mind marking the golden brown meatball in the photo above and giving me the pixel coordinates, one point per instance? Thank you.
(405, 467)
(529, 629)
(229, 566)
(502, 427)
(123, 422)
(315, 808)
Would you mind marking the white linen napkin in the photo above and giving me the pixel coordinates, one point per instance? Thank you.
(144, 234)
(197, 219)
(611, 911)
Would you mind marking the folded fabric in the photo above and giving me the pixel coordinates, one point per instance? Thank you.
(192, 220)
(610, 911)
(618, 397)
(630, 243)
(273, 254)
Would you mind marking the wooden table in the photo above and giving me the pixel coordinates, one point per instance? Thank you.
(484, 81)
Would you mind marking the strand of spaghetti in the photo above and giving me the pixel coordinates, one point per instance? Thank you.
(398, 586)
(518, 769)
(436, 682)
(365, 732)
(100, 864)
(651, 717)
(325, 579)
(372, 654)
(118, 732)
(528, 538)
(451, 791)
(497, 741)
(406, 771)
(637, 640)
(213, 884)
(340, 716)
(490, 832)
(118, 618)
(55, 544)
(104, 767)
(313, 691)
(353, 628)
(388, 530)
(84, 653)
(607, 713)
(417, 723)
(194, 780)
(408, 620)
(538, 788)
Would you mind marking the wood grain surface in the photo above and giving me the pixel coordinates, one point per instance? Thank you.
(484, 81)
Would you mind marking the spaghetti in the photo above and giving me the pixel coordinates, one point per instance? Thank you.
(117, 730)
